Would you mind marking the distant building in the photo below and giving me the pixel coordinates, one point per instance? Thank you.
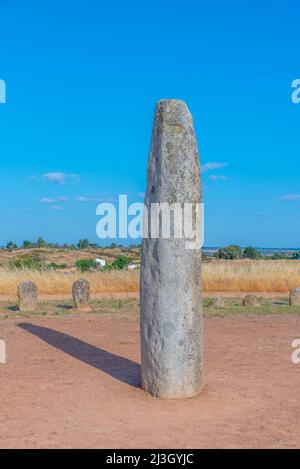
(100, 263)
(132, 266)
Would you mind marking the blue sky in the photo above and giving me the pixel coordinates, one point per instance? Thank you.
(82, 81)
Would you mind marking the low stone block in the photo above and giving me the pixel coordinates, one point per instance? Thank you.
(252, 300)
(27, 296)
(81, 294)
(295, 297)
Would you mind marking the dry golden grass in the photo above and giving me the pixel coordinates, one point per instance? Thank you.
(53, 283)
(222, 276)
(255, 276)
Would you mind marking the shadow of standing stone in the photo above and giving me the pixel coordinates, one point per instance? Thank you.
(27, 296)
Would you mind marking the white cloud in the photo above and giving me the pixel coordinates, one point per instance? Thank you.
(56, 207)
(209, 166)
(86, 198)
(58, 177)
(82, 199)
(218, 178)
(49, 200)
(290, 197)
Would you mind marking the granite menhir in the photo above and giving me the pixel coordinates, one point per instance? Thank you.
(171, 297)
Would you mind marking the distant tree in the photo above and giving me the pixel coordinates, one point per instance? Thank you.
(27, 244)
(83, 244)
(113, 246)
(41, 243)
(251, 253)
(279, 255)
(229, 252)
(134, 246)
(11, 245)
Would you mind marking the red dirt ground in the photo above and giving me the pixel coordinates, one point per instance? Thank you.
(73, 382)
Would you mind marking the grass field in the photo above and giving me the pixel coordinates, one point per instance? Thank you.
(254, 276)
(130, 306)
(57, 283)
(229, 276)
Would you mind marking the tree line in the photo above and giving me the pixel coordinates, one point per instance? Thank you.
(236, 252)
(82, 244)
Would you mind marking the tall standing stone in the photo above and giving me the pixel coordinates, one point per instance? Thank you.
(171, 299)
(27, 296)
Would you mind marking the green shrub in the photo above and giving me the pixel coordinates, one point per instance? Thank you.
(86, 265)
(28, 262)
(120, 262)
(55, 266)
(280, 256)
(229, 252)
(208, 301)
(296, 256)
(251, 253)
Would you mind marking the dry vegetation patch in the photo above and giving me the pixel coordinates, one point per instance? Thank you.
(255, 276)
(218, 276)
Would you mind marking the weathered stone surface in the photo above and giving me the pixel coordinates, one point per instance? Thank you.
(171, 300)
(294, 299)
(251, 300)
(81, 293)
(27, 296)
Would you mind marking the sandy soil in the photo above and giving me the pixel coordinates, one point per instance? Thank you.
(74, 382)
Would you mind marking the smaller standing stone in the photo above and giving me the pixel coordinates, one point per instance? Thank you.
(295, 297)
(218, 303)
(81, 294)
(27, 296)
(251, 300)
(2, 352)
